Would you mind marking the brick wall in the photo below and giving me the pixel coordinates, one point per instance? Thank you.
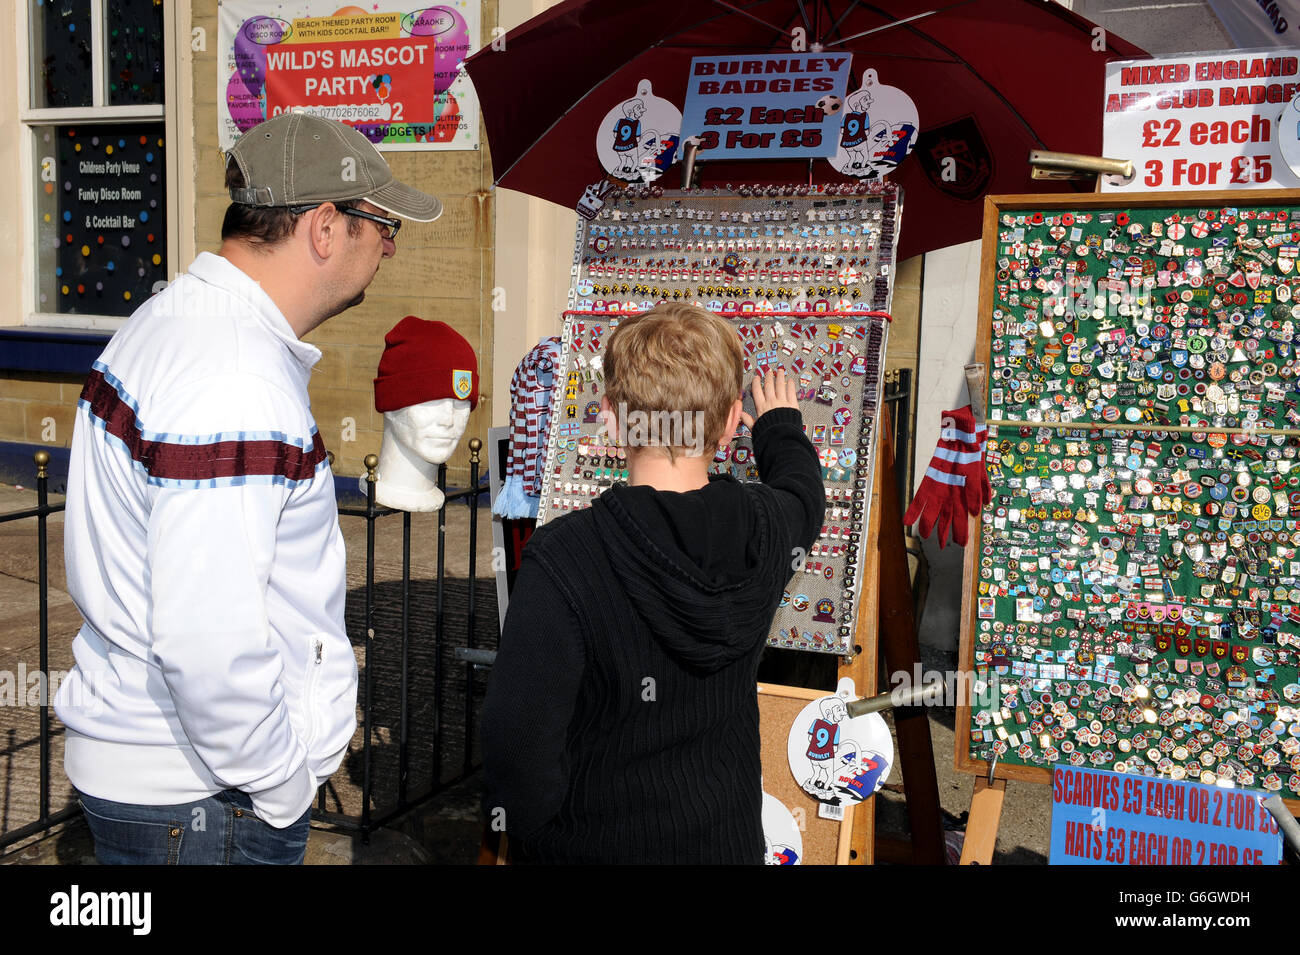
(38, 408)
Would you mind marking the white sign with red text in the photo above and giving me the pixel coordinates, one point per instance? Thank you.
(1200, 122)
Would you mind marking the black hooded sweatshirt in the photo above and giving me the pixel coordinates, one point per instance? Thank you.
(621, 718)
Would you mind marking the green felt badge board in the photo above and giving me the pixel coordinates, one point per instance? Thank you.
(1133, 588)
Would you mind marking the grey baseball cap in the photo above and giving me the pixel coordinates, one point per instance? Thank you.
(299, 159)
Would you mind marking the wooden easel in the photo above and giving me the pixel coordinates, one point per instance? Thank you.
(896, 623)
(982, 821)
(991, 782)
(886, 625)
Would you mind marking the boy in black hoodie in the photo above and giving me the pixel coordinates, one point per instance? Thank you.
(621, 719)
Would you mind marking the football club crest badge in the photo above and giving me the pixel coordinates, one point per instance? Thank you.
(956, 158)
(462, 384)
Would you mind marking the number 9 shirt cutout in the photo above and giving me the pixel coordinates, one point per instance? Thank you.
(837, 759)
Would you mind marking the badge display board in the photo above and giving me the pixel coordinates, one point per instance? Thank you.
(819, 607)
(673, 246)
(757, 249)
(1132, 593)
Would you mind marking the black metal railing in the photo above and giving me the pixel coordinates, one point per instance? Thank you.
(473, 659)
(898, 397)
(445, 645)
(42, 511)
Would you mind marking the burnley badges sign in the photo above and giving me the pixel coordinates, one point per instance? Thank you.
(765, 106)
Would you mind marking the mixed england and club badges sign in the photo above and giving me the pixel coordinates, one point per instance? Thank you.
(837, 759)
(1138, 604)
(1221, 121)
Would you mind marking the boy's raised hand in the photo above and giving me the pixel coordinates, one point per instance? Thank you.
(773, 390)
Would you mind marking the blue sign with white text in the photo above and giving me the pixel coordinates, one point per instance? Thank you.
(1105, 818)
(766, 105)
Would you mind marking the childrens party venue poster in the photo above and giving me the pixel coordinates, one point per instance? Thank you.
(393, 74)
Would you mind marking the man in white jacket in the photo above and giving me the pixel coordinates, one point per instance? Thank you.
(215, 686)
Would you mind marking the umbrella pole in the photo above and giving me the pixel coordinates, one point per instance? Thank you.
(688, 164)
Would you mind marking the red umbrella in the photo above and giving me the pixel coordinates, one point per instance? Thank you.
(991, 79)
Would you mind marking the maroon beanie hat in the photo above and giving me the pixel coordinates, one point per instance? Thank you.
(424, 361)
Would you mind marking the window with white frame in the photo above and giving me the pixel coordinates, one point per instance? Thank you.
(95, 116)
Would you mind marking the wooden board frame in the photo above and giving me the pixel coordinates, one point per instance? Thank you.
(857, 837)
(862, 666)
(777, 779)
(994, 206)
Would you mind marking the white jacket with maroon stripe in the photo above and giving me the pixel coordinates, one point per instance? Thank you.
(203, 550)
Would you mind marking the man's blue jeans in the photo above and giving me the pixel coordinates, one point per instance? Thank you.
(220, 830)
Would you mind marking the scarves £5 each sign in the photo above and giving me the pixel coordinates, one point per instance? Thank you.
(1104, 818)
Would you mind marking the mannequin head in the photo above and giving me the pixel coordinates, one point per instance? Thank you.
(431, 429)
(426, 387)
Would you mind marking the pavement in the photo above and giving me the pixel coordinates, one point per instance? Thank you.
(445, 828)
(446, 831)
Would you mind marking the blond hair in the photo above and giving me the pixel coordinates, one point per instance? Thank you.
(675, 359)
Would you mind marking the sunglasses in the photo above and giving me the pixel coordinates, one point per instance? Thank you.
(388, 228)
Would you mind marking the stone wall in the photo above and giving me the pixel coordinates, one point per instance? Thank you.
(442, 270)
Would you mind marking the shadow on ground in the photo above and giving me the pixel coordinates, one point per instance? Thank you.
(420, 679)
